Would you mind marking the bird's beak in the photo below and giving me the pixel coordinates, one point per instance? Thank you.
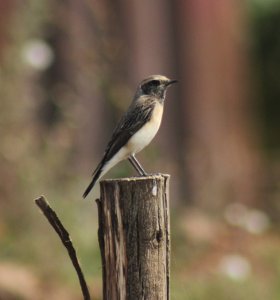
(171, 82)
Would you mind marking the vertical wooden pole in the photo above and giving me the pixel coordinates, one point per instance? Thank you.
(134, 238)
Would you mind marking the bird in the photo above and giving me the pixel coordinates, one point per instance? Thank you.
(136, 128)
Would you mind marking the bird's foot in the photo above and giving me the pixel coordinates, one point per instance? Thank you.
(151, 174)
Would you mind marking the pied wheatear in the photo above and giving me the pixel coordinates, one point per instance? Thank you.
(136, 128)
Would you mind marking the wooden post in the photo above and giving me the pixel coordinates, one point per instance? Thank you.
(134, 238)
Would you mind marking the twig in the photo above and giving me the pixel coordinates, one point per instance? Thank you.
(66, 240)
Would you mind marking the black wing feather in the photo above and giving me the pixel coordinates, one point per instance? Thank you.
(131, 122)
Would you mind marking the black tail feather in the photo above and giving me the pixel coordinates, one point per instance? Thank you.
(96, 176)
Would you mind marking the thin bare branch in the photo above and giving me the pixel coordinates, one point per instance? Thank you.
(65, 239)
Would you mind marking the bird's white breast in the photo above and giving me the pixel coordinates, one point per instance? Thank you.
(146, 133)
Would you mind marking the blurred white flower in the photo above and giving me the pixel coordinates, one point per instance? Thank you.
(38, 54)
(235, 267)
(256, 221)
(253, 220)
(235, 214)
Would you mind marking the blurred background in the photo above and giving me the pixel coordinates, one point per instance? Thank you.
(68, 70)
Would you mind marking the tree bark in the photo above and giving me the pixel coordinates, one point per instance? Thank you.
(134, 237)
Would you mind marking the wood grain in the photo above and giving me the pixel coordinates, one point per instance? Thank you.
(134, 237)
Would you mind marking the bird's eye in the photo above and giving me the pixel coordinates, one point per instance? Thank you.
(150, 86)
(155, 82)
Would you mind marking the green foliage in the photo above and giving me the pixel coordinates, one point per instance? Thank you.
(266, 50)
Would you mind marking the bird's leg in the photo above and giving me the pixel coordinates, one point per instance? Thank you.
(135, 163)
(135, 166)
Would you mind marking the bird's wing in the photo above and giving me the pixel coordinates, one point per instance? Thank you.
(137, 116)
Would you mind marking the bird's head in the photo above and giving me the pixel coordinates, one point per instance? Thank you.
(155, 85)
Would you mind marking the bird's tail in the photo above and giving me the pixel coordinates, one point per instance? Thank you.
(104, 166)
(96, 175)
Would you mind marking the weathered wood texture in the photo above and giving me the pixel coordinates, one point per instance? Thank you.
(134, 238)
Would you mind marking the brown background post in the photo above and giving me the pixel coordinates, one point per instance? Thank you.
(134, 237)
